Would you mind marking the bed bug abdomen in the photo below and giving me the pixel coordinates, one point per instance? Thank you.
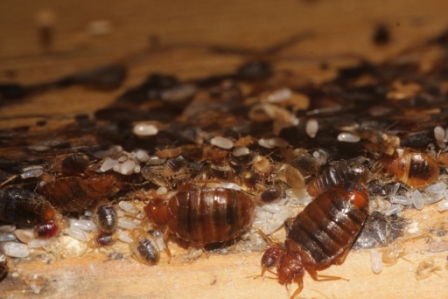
(337, 173)
(106, 218)
(326, 229)
(210, 215)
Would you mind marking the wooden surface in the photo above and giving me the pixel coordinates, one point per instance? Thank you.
(338, 27)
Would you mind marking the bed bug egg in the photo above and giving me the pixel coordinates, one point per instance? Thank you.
(311, 128)
(14, 249)
(221, 142)
(145, 129)
(376, 262)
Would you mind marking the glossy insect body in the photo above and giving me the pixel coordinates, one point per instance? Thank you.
(46, 230)
(414, 168)
(106, 218)
(204, 215)
(76, 194)
(102, 239)
(3, 266)
(144, 248)
(337, 173)
(23, 207)
(321, 235)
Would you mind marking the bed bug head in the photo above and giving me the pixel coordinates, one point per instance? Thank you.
(289, 266)
(157, 210)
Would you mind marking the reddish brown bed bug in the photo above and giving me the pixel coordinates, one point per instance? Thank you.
(71, 164)
(23, 207)
(49, 229)
(202, 213)
(102, 239)
(76, 194)
(414, 168)
(3, 266)
(337, 173)
(320, 236)
(106, 218)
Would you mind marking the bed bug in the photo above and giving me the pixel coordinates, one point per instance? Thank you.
(414, 168)
(203, 214)
(3, 266)
(102, 239)
(144, 248)
(320, 236)
(23, 207)
(106, 218)
(76, 194)
(48, 229)
(337, 173)
(71, 164)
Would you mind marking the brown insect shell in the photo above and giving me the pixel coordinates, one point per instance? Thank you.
(414, 168)
(76, 193)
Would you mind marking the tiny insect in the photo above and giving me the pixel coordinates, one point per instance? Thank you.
(76, 194)
(320, 236)
(3, 266)
(202, 214)
(337, 173)
(102, 239)
(414, 168)
(48, 229)
(71, 164)
(144, 248)
(25, 208)
(106, 218)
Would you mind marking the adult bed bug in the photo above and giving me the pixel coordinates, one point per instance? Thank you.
(320, 236)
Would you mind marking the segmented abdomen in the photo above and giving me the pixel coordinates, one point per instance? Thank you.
(328, 226)
(23, 207)
(210, 215)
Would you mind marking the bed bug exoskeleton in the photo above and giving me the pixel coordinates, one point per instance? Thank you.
(320, 236)
(76, 194)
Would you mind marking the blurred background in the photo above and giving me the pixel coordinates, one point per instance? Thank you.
(42, 40)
